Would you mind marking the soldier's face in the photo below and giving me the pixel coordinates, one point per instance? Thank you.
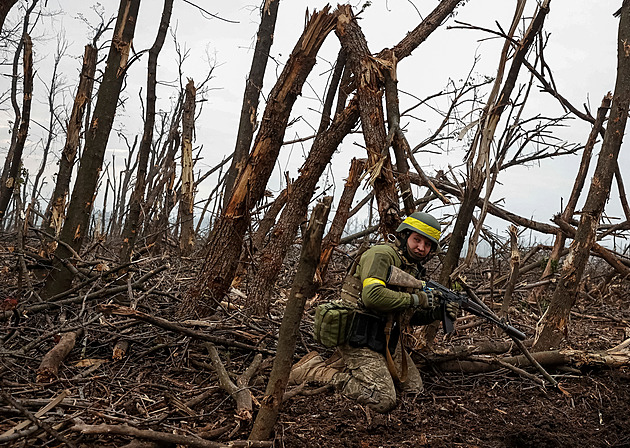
(418, 245)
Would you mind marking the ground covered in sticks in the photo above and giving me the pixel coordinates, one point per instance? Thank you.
(164, 380)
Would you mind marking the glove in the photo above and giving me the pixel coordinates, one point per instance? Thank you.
(420, 299)
(452, 310)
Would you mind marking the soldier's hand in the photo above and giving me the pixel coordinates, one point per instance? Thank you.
(452, 310)
(420, 299)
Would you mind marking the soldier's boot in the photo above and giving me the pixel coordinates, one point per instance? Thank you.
(313, 368)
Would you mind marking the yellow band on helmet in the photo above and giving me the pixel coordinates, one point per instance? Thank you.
(425, 228)
(371, 280)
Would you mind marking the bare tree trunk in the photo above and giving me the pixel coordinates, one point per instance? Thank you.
(567, 213)
(187, 197)
(265, 225)
(484, 138)
(369, 74)
(225, 243)
(80, 207)
(301, 290)
(515, 264)
(553, 325)
(295, 211)
(331, 241)
(253, 87)
(9, 182)
(133, 222)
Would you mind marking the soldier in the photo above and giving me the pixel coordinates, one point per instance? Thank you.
(364, 368)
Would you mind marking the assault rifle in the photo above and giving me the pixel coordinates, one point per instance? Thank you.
(398, 277)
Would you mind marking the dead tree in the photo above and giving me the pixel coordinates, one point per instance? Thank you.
(187, 197)
(369, 79)
(55, 212)
(283, 234)
(301, 291)
(225, 243)
(331, 240)
(567, 214)
(485, 135)
(78, 217)
(553, 325)
(253, 88)
(14, 156)
(134, 221)
(323, 147)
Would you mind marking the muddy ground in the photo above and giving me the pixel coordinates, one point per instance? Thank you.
(495, 409)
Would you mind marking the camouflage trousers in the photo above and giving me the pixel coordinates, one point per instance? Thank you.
(367, 380)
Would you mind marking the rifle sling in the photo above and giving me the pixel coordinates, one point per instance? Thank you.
(388, 356)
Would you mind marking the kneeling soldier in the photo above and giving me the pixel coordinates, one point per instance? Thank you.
(373, 361)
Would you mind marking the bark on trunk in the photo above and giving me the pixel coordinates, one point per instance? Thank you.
(9, 181)
(369, 78)
(515, 264)
(553, 325)
(134, 221)
(341, 217)
(253, 87)
(225, 243)
(301, 290)
(78, 217)
(567, 214)
(187, 198)
(294, 212)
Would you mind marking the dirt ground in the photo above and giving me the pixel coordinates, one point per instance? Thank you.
(493, 409)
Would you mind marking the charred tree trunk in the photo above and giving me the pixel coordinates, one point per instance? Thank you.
(253, 87)
(294, 212)
(485, 135)
(225, 243)
(553, 325)
(187, 197)
(331, 241)
(133, 222)
(78, 217)
(567, 214)
(369, 78)
(301, 290)
(15, 153)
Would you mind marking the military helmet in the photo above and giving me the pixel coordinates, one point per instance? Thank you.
(424, 224)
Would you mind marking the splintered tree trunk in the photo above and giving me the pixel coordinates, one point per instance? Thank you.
(567, 213)
(484, 138)
(369, 75)
(294, 212)
(187, 200)
(301, 290)
(78, 217)
(225, 243)
(341, 216)
(8, 182)
(56, 211)
(130, 232)
(253, 87)
(553, 325)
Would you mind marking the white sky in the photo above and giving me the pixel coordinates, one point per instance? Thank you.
(581, 53)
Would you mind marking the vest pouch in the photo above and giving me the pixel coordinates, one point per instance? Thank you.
(332, 322)
(368, 330)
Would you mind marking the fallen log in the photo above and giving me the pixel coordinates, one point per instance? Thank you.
(157, 436)
(49, 367)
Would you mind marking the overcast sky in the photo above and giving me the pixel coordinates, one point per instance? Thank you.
(581, 54)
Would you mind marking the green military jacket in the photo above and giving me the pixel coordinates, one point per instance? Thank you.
(381, 298)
